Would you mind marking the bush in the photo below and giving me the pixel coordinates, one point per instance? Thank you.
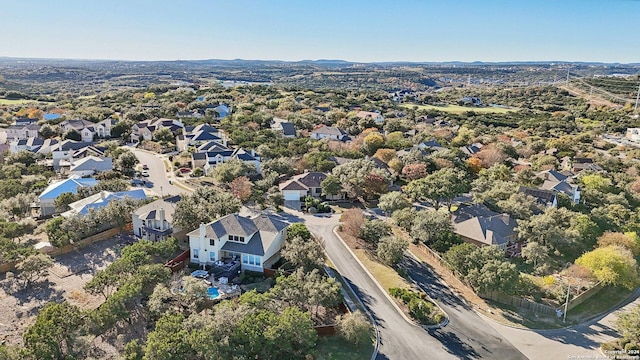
(354, 327)
(420, 309)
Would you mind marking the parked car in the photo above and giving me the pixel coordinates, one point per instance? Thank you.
(145, 167)
(184, 170)
(144, 173)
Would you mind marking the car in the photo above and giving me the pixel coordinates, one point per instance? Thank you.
(184, 170)
(145, 167)
(145, 173)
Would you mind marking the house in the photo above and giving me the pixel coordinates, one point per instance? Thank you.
(577, 165)
(22, 131)
(559, 182)
(190, 114)
(375, 116)
(478, 225)
(145, 129)
(546, 198)
(215, 158)
(430, 146)
(88, 130)
(377, 163)
(30, 144)
(633, 134)
(66, 150)
(471, 100)
(48, 197)
(330, 132)
(198, 135)
(471, 149)
(100, 200)
(91, 165)
(255, 242)
(25, 121)
(303, 185)
(154, 220)
(283, 127)
(218, 111)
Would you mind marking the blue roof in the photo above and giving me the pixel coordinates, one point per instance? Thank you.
(137, 194)
(70, 185)
(51, 116)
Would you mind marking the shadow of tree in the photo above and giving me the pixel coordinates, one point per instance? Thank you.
(38, 291)
(454, 345)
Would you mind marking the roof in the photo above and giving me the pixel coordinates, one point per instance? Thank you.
(471, 149)
(70, 145)
(69, 185)
(92, 163)
(491, 230)
(288, 128)
(78, 124)
(552, 175)
(365, 114)
(305, 181)
(543, 196)
(101, 199)
(329, 130)
(150, 211)
(560, 186)
(468, 211)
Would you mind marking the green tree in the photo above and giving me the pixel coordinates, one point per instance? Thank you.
(231, 170)
(64, 199)
(595, 182)
(126, 161)
(391, 249)
(494, 275)
(306, 254)
(169, 340)
(133, 350)
(429, 225)
(163, 135)
(54, 335)
(628, 324)
(34, 267)
(354, 327)
(442, 186)
(203, 206)
(374, 230)
(331, 186)
(404, 217)
(72, 134)
(612, 265)
(298, 230)
(537, 255)
(393, 201)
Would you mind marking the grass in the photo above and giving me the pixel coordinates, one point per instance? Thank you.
(603, 301)
(336, 348)
(15, 102)
(457, 109)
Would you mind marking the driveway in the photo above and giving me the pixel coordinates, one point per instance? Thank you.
(398, 338)
(158, 176)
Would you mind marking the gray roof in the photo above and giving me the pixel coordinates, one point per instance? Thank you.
(150, 211)
(254, 246)
(552, 175)
(492, 230)
(304, 181)
(543, 196)
(468, 211)
(329, 130)
(288, 128)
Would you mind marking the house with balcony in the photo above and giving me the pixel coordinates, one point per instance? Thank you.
(211, 159)
(253, 241)
(154, 221)
(88, 130)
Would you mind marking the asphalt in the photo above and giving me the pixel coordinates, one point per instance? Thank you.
(157, 173)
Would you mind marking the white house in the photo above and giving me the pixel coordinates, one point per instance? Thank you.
(303, 185)
(215, 158)
(29, 144)
(375, 116)
(198, 135)
(48, 197)
(22, 131)
(154, 220)
(91, 165)
(256, 242)
(329, 132)
(87, 129)
(145, 129)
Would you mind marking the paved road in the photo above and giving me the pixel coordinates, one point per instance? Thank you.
(157, 174)
(468, 335)
(399, 339)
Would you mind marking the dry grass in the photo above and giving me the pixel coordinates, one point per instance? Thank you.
(456, 109)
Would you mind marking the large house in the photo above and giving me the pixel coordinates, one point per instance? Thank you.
(577, 165)
(154, 221)
(283, 127)
(100, 200)
(145, 129)
(330, 132)
(65, 151)
(303, 185)
(546, 198)
(559, 182)
(88, 130)
(22, 131)
(255, 242)
(375, 116)
(91, 165)
(480, 226)
(48, 197)
(217, 157)
(198, 135)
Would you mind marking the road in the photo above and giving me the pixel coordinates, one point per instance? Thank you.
(467, 334)
(157, 173)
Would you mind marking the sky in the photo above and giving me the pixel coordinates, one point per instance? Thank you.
(353, 30)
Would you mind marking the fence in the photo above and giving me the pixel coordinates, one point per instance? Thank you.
(82, 243)
(584, 296)
(8, 266)
(179, 262)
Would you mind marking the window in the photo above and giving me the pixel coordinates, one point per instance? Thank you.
(212, 256)
(236, 238)
(212, 242)
(245, 258)
(251, 260)
(195, 253)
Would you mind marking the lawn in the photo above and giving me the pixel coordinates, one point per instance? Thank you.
(456, 109)
(336, 348)
(601, 302)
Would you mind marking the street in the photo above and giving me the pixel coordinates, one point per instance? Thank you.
(158, 176)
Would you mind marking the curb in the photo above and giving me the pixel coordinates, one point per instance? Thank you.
(444, 322)
(371, 319)
(375, 281)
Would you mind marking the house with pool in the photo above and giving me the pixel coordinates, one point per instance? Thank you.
(253, 241)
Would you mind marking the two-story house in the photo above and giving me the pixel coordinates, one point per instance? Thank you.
(303, 185)
(154, 221)
(145, 129)
(375, 116)
(255, 242)
(329, 132)
(88, 130)
(22, 131)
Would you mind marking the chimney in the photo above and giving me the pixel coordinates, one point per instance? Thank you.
(203, 230)
(505, 218)
(102, 195)
(161, 216)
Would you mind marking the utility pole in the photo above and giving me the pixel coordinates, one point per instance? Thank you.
(637, 98)
(566, 304)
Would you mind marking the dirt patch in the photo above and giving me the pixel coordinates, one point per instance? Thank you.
(19, 305)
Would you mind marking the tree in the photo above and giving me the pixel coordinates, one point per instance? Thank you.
(231, 170)
(163, 135)
(241, 188)
(72, 134)
(373, 230)
(64, 199)
(331, 186)
(318, 161)
(520, 205)
(34, 266)
(122, 129)
(298, 230)
(550, 228)
(168, 341)
(57, 236)
(536, 254)
(48, 131)
(494, 275)
(306, 254)
(161, 300)
(354, 327)
(133, 350)
(393, 201)
(385, 154)
(619, 239)
(443, 185)
(375, 183)
(281, 166)
(414, 171)
(203, 206)
(54, 335)
(595, 182)
(628, 324)
(126, 161)
(404, 217)
(391, 249)
(429, 225)
(193, 294)
(353, 220)
(612, 265)
(355, 174)
(373, 142)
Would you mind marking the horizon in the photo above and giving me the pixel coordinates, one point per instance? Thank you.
(361, 31)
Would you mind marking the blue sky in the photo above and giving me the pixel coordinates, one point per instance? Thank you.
(355, 30)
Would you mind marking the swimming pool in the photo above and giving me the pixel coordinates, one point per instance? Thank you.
(213, 293)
